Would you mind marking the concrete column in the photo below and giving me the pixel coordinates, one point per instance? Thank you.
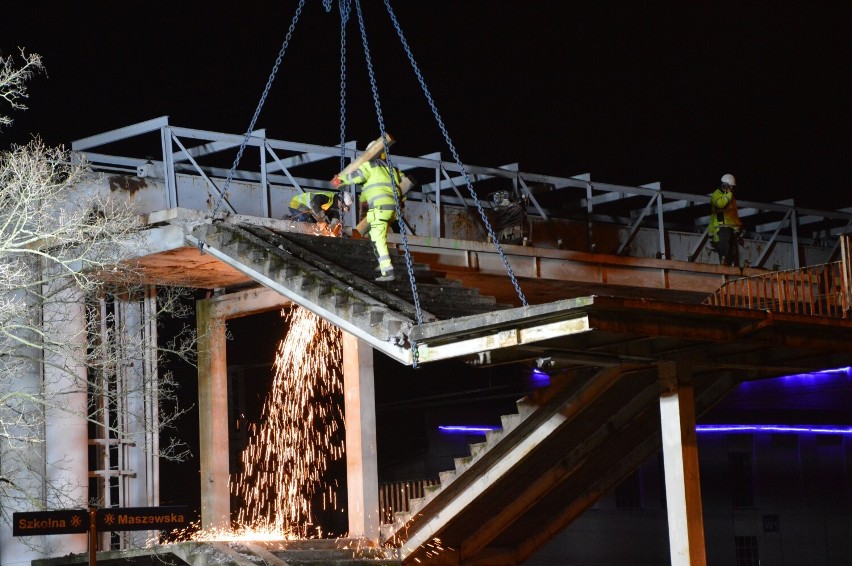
(210, 316)
(680, 458)
(23, 465)
(362, 476)
(135, 324)
(213, 418)
(66, 434)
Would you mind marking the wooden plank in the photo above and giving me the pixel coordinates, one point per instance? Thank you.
(368, 154)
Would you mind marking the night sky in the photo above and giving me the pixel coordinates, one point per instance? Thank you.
(631, 92)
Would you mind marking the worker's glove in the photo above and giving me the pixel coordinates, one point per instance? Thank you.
(336, 182)
(321, 217)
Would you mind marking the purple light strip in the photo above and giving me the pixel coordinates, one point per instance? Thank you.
(817, 429)
(460, 429)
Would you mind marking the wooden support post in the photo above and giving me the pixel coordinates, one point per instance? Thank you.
(93, 535)
(680, 456)
(213, 418)
(362, 476)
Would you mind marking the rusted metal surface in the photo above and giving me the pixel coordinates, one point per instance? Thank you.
(818, 290)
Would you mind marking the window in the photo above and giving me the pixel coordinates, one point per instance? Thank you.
(742, 480)
(628, 494)
(747, 552)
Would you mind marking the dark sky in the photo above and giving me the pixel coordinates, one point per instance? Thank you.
(631, 92)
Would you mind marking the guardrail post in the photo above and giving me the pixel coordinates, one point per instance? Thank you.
(169, 167)
(845, 273)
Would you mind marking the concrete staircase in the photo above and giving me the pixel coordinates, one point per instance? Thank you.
(333, 277)
(564, 448)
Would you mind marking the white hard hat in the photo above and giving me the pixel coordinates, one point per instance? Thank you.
(728, 179)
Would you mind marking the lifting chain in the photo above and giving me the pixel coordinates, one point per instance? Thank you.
(345, 7)
(260, 104)
(455, 154)
(410, 267)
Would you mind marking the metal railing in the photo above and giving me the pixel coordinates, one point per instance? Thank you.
(394, 496)
(277, 165)
(818, 290)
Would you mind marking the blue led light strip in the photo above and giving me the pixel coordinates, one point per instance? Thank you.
(467, 429)
(817, 429)
(718, 428)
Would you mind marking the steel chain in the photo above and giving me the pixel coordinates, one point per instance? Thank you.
(345, 7)
(259, 107)
(410, 267)
(455, 154)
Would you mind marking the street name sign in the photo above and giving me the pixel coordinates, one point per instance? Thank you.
(141, 518)
(65, 522)
(74, 521)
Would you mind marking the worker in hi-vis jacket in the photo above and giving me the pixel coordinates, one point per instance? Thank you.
(377, 196)
(725, 225)
(319, 206)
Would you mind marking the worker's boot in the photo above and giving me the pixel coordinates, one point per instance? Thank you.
(386, 276)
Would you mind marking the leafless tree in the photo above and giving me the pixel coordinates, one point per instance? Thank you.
(77, 320)
(13, 81)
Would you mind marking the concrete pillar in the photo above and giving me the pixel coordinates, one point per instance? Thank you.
(210, 316)
(22, 464)
(362, 476)
(135, 321)
(213, 418)
(680, 460)
(66, 434)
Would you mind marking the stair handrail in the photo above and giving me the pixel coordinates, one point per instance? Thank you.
(816, 290)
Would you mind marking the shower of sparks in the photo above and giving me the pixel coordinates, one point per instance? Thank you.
(300, 433)
(433, 549)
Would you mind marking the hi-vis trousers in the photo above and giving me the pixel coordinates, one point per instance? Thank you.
(379, 221)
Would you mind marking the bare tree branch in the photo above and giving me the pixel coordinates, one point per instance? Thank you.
(77, 320)
(13, 81)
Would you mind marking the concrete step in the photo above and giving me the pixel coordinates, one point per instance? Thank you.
(477, 449)
(400, 518)
(462, 463)
(415, 504)
(446, 477)
(492, 437)
(525, 407)
(509, 422)
(386, 531)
